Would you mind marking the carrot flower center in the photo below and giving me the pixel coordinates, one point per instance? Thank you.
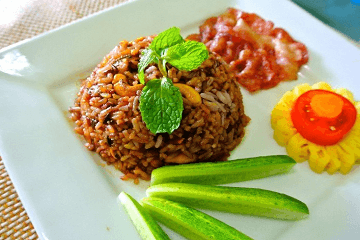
(327, 105)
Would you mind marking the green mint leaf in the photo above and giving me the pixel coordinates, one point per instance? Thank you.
(186, 56)
(161, 106)
(166, 39)
(147, 57)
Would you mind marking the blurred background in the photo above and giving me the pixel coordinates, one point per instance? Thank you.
(343, 15)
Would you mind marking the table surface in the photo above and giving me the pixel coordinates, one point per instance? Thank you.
(24, 19)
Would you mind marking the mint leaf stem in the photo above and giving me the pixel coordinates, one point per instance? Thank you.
(162, 67)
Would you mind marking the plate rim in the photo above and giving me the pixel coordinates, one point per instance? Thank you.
(26, 42)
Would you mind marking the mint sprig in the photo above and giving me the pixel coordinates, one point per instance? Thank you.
(147, 58)
(187, 56)
(166, 39)
(161, 103)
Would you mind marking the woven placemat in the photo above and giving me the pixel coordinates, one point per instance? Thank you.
(22, 20)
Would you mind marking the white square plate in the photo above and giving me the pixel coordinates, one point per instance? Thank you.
(67, 192)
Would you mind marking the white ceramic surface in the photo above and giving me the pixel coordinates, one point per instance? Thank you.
(67, 192)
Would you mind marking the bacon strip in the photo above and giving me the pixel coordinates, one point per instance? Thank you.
(260, 55)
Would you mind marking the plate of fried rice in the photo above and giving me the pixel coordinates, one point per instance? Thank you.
(62, 94)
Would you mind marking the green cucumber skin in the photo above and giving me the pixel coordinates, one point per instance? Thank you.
(250, 201)
(190, 222)
(144, 223)
(213, 173)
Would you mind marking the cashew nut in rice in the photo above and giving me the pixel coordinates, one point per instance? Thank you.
(181, 158)
(123, 89)
(189, 93)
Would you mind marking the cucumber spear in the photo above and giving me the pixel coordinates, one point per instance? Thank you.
(146, 226)
(189, 222)
(251, 201)
(213, 173)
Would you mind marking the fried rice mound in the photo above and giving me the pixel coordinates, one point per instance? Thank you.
(106, 113)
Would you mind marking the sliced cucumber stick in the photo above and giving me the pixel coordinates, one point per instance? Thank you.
(250, 201)
(146, 226)
(214, 173)
(189, 222)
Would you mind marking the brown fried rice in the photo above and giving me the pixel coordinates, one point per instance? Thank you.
(106, 112)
